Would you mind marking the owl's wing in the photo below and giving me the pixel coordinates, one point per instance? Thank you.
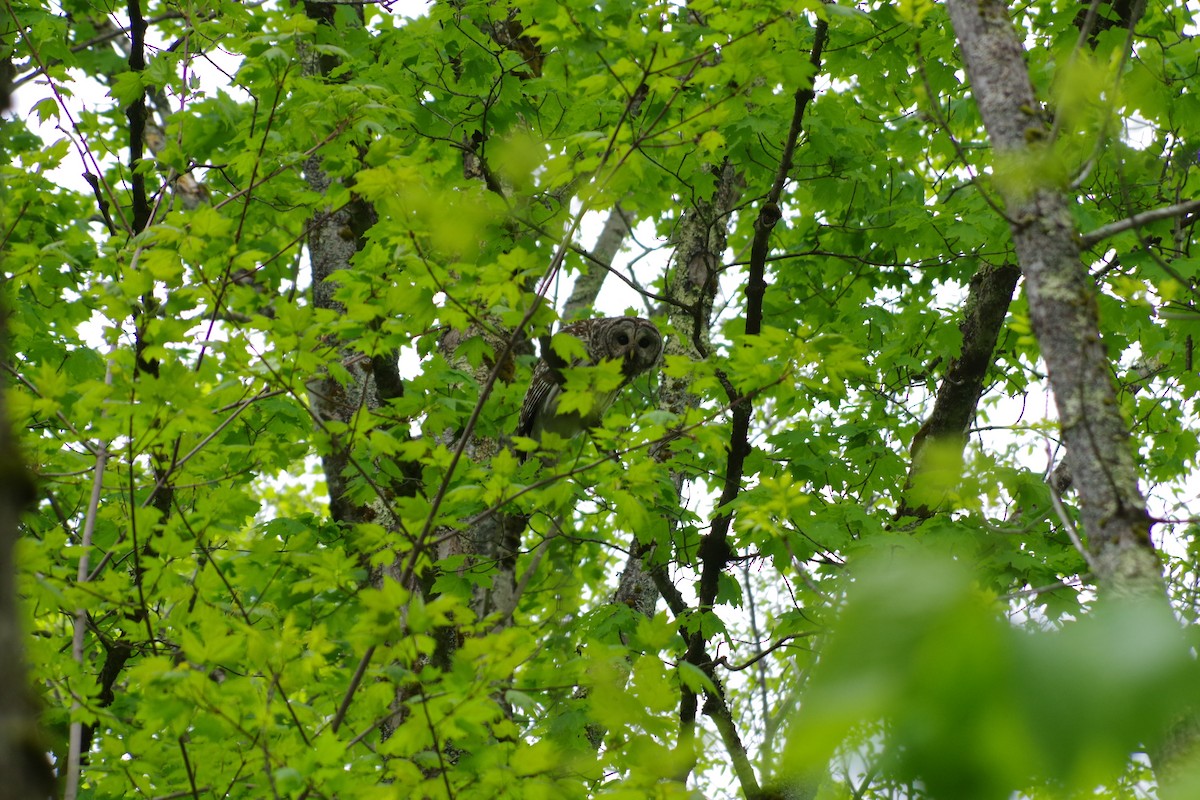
(547, 380)
(542, 390)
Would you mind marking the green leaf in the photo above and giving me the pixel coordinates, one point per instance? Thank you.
(127, 87)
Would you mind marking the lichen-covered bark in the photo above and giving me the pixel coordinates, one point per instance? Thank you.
(333, 239)
(493, 542)
(1062, 305)
(334, 236)
(1064, 316)
(692, 283)
(691, 289)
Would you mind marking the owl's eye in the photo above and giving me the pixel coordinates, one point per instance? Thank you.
(622, 338)
(646, 342)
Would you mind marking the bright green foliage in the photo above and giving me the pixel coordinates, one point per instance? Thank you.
(239, 641)
(1012, 706)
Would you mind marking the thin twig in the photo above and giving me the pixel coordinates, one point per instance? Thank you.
(761, 654)
(943, 124)
(86, 154)
(344, 706)
(1069, 526)
(1073, 583)
(184, 793)
(75, 745)
(179, 462)
(539, 552)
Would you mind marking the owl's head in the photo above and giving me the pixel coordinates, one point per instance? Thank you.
(635, 342)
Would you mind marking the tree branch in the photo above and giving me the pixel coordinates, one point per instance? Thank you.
(714, 548)
(716, 706)
(608, 244)
(1064, 315)
(1136, 221)
(715, 551)
(988, 298)
(136, 113)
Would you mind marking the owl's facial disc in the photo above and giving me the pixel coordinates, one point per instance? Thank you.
(623, 345)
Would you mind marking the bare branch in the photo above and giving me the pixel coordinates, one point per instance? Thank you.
(75, 736)
(1136, 221)
(608, 244)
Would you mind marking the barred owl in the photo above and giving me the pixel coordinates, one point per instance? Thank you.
(633, 341)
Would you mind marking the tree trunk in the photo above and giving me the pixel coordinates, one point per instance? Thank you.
(23, 761)
(988, 298)
(1064, 315)
(1062, 302)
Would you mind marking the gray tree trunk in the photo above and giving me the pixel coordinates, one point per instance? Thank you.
(1062, 303)
(1064, 315)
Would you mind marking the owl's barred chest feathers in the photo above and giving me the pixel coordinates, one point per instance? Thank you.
(632, 341)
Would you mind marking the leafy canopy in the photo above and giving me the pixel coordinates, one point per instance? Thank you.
(237, 640)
